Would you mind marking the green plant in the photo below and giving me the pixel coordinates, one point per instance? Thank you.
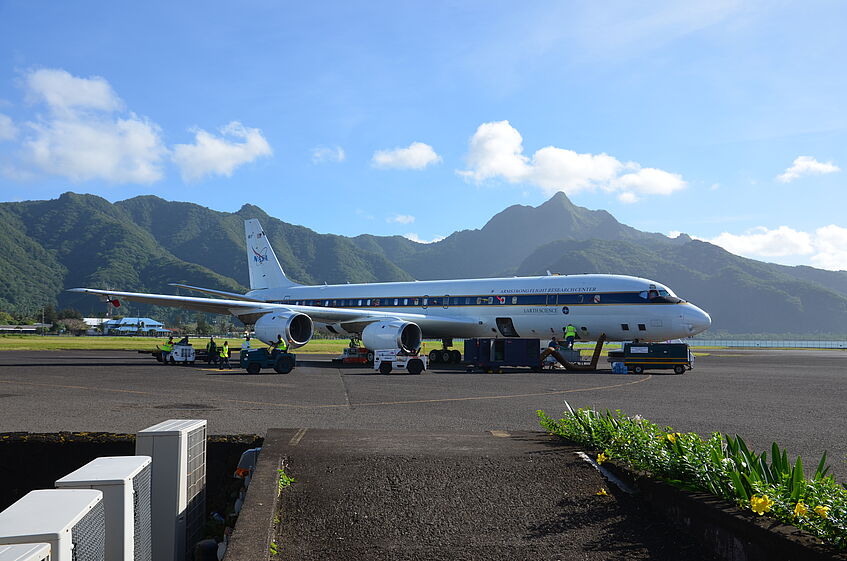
(720, 464)
(274, 549)
(284, 480)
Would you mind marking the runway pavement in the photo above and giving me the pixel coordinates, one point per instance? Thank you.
(794, 397)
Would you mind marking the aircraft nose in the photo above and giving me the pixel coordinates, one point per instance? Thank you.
(697, 320)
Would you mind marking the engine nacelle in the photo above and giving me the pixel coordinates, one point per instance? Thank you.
(295, 328)
(392, 334)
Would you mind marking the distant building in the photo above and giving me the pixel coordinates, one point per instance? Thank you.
(24, 328)
(134, 326)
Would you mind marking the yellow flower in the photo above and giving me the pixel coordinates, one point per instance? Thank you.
(601, 457)
(822, 511)
(760, 505)
(671, 437)
(601, 493)
(800, 509)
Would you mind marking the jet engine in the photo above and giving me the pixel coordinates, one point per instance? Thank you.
(295, 328)
(392, 334)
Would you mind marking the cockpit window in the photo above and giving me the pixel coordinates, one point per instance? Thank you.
(659, 296)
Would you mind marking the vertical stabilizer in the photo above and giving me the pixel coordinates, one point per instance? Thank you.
(265, 270)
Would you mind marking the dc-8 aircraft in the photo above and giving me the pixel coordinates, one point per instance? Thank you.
(398, 315)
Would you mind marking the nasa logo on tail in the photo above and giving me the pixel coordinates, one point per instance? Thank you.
(260, 257)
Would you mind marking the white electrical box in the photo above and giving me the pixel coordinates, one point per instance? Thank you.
(25, 552)
(125, 483)
(72, 521)
(178, 449)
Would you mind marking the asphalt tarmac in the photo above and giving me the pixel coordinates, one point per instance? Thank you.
(795, 397)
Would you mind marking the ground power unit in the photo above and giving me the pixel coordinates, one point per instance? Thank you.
(178, 449)
(125, 482)
(25, 552)
(72, 521)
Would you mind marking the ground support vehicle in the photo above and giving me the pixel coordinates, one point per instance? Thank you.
(181, 354)
(491, 355)
(355, 355)
(388, 360)
(638, 357)
(254, 360)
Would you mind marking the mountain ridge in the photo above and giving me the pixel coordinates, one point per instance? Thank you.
(145, 242)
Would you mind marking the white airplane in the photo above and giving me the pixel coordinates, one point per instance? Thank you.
(398, 315)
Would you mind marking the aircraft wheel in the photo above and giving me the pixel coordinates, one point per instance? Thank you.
(446, 356)
(370, 356)
(638, 369)
(456, 356)
(253, 368)
(679, 369)
(385, 368)
(434, 356)
(284, 364)
(415, 366)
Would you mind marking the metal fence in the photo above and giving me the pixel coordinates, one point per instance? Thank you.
(767, 344)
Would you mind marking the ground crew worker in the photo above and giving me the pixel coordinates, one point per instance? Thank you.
(245, 346)
(570, 335)
(280, 346)
(211, 351)
(167, 348)
(552, 349)
(224, 354)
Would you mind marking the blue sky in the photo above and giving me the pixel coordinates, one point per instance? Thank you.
(722, 120)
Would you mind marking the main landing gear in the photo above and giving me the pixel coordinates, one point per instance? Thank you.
(445, 355)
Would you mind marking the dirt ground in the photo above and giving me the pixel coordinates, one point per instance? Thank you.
(532, 500)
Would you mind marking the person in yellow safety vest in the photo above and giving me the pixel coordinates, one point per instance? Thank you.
(224, 354)
(167, 349)
(280, 346)
(570, 335)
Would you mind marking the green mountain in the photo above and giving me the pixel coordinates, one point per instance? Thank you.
(144, 243)
(742, 295)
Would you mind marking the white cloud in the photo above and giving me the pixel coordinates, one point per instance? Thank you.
(416, 156)
(826, 246)
(8, 130)
(831, 247)
(325, 154)
(806, 165)
(763, 242)
(496, 151)
(81, 137)
(414, 237)
(64, 92)
(401, 218)
(218, 155)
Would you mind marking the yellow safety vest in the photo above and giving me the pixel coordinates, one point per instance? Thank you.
(282, 345)
(225, 352)
(570, 331)
(167, 347)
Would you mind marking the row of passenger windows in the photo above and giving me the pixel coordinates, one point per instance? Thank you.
(518, 300)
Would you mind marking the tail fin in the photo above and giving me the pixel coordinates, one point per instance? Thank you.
(265, 270)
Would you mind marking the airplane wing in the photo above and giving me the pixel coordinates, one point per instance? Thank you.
(250, 310)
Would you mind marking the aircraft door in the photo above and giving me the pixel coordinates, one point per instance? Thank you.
(506, 327)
